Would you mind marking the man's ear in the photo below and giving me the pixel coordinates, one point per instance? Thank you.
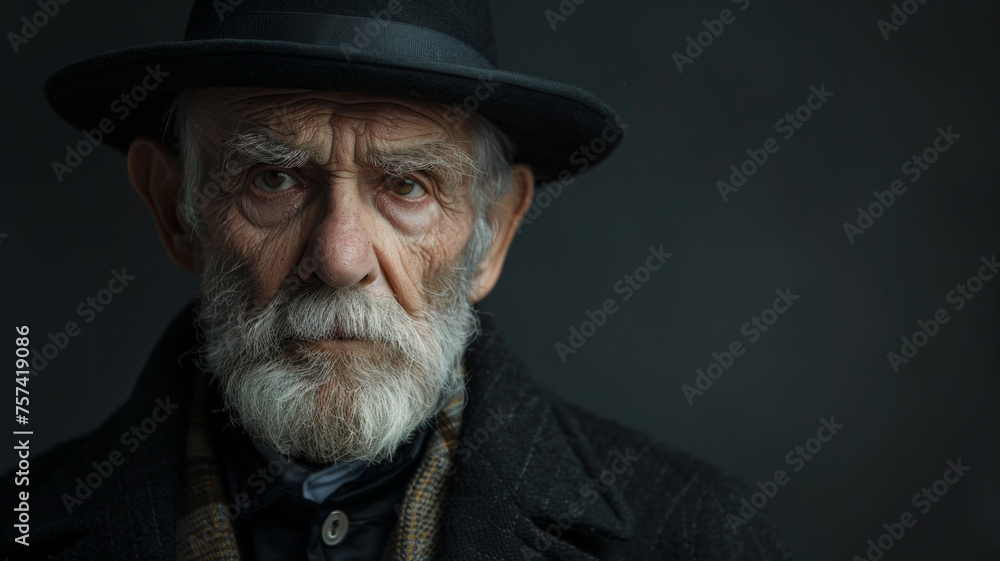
(509, 212)
(154, 174)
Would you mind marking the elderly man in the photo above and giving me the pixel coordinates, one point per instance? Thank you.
(346, 180)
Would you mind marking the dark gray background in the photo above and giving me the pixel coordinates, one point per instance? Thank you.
(826, 356)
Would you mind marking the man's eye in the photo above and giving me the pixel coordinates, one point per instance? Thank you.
(405, 187)
(273, 181)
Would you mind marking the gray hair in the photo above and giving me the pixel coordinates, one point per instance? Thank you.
(488, 171)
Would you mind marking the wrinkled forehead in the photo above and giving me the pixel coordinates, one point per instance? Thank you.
(318, 119)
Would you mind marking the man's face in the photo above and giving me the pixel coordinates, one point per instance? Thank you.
(335, 297)
(335, 215)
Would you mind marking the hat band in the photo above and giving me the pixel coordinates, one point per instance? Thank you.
(352, 34)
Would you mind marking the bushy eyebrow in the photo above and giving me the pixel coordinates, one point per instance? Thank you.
(443, 159)
(244, 149)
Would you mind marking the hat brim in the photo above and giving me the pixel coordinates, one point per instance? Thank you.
(549, 121)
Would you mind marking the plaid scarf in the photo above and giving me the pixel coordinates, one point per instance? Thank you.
(205, 532)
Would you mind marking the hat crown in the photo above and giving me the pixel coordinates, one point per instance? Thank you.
(467, 21)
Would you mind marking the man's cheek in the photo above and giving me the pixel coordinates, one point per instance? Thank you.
(271, 254)
(274, 268)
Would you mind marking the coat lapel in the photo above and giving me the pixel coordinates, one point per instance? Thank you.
(527, 484)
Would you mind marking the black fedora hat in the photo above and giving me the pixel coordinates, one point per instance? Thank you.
(438, 50)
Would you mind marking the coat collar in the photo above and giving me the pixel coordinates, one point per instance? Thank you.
(522, 472)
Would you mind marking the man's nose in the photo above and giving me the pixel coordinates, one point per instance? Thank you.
(341, 251)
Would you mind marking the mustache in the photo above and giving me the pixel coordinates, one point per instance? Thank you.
(304, 314)
(323, 312)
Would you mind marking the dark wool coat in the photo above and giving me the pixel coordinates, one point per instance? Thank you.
(536, 478)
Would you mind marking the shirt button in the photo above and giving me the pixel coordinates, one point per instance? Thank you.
(334, 528)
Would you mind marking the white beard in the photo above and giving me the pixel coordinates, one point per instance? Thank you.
(323, 404)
